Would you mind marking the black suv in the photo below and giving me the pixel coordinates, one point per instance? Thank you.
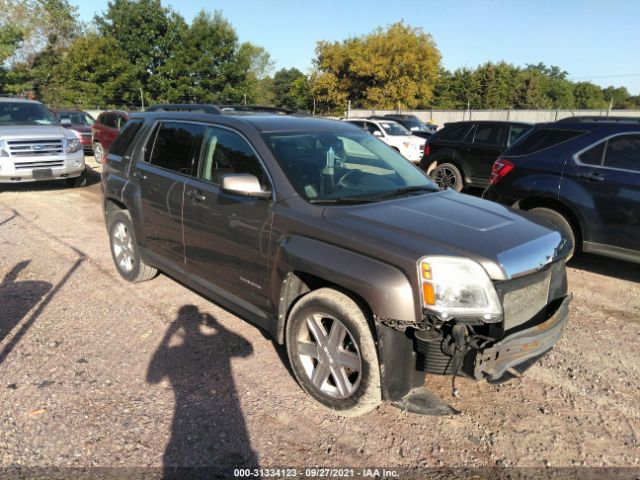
(333, 243)
(583, 174)
(411, 123)
(462, 153)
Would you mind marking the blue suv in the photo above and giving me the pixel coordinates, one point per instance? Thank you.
(583, 175)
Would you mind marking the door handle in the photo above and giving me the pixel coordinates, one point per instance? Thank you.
(195, 195)
(592, 176)
(139, 175)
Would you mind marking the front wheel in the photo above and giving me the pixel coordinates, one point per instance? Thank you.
(332, 352)
(447, 175)
(79, 181)
(125, 252)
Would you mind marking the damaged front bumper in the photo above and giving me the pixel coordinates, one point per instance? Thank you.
(518, 349)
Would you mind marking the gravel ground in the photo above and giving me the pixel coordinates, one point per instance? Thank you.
(97, 372)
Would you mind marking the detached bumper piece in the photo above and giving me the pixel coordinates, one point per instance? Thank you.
(522, 348)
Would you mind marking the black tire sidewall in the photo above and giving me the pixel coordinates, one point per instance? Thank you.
(123, 217)
(366, 347)
(560, 222)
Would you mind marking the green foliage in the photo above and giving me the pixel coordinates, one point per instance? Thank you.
(207, 65)
(258, 86)
(93, 72)
(146, 31)
(291, 89)
(385, 69)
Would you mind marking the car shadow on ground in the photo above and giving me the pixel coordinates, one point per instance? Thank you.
(208, 434)
(17, 299)
(606, 266)
(93, 177)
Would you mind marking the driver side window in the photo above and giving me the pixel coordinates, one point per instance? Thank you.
(226, 152)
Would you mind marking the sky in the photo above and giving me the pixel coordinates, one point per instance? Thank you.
(598, 41)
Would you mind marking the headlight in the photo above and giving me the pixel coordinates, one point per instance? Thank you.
(4, 151)
(73, 145)
(458, 287)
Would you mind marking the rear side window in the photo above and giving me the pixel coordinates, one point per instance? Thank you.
(226, 152)
(454, 132)
(109, 120)
(593, 156)
(541, 139)
(122, 143)
(489, 134)
(174, 144)
(515, 132)
(623, 152)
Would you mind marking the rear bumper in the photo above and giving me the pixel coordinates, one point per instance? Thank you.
(520, 348)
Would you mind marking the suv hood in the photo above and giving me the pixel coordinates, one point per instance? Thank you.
(28, 132)
(505, 243)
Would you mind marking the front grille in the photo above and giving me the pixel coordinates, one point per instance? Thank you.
(38, 164)
(32, 148)
(523, 298)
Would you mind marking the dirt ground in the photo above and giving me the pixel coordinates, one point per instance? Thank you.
(97, 372)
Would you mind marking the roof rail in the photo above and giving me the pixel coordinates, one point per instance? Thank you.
(185, 107)
(260, 109)
(598, 119)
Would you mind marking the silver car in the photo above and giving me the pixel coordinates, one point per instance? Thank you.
(33, 145)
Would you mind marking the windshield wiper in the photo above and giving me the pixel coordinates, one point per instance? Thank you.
(406, 190)
(343, 200)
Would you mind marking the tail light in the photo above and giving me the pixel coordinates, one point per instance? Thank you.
(427, 149)
(499, 170)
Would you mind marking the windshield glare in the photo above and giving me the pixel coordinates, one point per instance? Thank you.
(77, 118)
(343, 166)
(395, 129)
(19, 113)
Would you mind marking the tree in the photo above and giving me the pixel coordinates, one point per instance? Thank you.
(145, 31)
(588, 95)
(291, 89)
(258, 84)
(384, 69)
(206, 66)
(34, 33)
(93, 72)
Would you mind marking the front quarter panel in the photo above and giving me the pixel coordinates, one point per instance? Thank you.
(386, 289)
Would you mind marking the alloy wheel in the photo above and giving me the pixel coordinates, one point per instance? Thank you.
(445, 177)
(329, 355)
(123, 247)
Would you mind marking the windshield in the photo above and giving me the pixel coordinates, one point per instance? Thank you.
(22, 113)
(393, 128)
(76, 118)
(345, 167)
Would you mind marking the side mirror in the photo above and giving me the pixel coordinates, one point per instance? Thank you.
(377, 133)
(65, 122)
(243, 184)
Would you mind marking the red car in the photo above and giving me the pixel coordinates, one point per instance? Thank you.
(80, 122)
(105, 130)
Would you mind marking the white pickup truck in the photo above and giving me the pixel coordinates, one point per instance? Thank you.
(33, 145)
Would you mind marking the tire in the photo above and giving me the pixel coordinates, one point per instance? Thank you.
(447, 175)
(125, 252)
(346, 370)
(78, 182)
(562, 225)
(98, 152)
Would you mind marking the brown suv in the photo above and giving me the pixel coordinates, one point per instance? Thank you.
(105, 130)
(338, 247)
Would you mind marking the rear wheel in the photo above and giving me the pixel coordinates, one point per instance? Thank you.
(125, 252)
(561, 223)
(98, 152)
(332, 353)
(447, 175)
